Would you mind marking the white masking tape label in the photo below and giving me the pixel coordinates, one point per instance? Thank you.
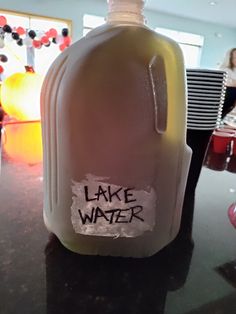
(103, 209)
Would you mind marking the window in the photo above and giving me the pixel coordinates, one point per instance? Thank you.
(19, 56)
(91, 21)
(191, 45)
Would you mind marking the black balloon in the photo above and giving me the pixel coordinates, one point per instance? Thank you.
(15, 35)
(7, 28)
(3, 58)
(32, 34)
(20, 42)
(65, 32)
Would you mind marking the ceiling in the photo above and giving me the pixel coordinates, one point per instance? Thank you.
(223, 12)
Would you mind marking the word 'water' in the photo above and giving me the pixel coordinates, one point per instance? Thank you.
(104, 209)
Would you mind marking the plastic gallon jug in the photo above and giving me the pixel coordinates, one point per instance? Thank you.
(114, 126)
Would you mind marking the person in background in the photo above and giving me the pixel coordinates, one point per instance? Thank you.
(229, 66)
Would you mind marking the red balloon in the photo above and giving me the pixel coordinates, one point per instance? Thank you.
(20, 30)
(62, 47)
(1, 69)
(44, 40)
(52, 32)
(37, 43)
(3, 20)
(67, 40)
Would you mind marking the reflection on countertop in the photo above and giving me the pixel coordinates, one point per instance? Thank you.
(113, 285)
(38, 275)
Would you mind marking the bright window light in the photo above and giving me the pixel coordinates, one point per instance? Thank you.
(91, 21)
(191, 45)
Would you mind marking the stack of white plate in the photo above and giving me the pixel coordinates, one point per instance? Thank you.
(206, 93)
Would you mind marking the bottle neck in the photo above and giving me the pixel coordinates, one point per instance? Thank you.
(126, 11)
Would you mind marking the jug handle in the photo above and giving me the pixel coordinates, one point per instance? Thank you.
(157, 75)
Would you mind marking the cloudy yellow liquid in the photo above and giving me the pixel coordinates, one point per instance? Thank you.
(114, 108)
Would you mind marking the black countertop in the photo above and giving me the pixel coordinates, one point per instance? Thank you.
(194, 274)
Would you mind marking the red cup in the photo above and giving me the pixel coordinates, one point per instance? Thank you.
(221, 142)
(216, 161)
(227, 130)
(231, 166)
(234, 145)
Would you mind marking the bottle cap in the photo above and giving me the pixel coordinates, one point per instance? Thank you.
(126, 10)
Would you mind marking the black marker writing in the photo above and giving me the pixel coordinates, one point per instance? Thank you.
(116, 215)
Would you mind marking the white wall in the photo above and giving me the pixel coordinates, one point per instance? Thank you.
(214, 47)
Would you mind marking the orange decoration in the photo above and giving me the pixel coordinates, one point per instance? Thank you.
(22, 142)
(20, 95)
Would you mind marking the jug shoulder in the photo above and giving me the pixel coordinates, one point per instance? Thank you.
(120, 43)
